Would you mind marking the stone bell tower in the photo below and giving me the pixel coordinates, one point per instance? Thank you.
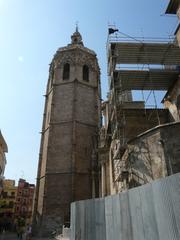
(67, 159)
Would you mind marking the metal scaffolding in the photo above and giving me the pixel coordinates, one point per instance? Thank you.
(136, 64)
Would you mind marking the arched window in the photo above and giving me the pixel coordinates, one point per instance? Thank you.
(86, 73)
(66, 71)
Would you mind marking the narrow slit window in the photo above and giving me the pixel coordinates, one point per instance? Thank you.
(66, 71)
(178, 102)
(86, 73)
(51, 78)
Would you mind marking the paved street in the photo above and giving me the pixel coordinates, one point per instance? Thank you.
(12, 236)
(8, 236)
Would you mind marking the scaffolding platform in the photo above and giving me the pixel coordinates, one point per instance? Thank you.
(152, 79)
(143, 53)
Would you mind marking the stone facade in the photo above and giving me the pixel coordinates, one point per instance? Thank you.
(68, 160)
(174, 8)
(3, 150)
(113, 146)
(7, 204)
(151, 155)
(172, 98)
(24, 201)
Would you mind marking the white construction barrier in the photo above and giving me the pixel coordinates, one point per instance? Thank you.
(149, 212)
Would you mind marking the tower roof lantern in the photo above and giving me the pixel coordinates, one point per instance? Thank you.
(76, 38)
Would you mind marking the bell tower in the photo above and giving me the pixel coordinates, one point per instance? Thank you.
(67, 159)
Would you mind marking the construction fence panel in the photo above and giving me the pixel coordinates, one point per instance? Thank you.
(100, 228)
(174, 191)
(149, 212)
(116, 212)
(89, 220)
(135, 211)
(166, 222)
(73, 220)
(149, 225)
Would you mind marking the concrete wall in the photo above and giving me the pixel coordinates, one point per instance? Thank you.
(149, 212)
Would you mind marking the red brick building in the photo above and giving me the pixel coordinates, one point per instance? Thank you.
(24, 200)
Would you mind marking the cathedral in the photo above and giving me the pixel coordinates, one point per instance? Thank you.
(68, 168)
(138, 143)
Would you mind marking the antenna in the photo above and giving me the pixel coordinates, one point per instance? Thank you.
(77, 27)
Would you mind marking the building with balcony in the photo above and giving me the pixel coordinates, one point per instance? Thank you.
(24, 201)
(7, 204)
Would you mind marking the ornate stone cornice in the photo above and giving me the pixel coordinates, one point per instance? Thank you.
(80, 47)
(76, 57)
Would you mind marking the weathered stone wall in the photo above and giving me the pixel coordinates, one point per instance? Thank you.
(170, 141)
(2, 161)
(171, 101)
(178, 37)
(132, 122)
(136, 121)
(178, 12)
(3, 150)
(153, 155)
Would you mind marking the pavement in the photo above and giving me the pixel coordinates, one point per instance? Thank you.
(13, 236)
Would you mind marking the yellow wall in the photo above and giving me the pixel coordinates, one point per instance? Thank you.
(8, 197)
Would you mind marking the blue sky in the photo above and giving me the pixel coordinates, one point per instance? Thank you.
(31, 31)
